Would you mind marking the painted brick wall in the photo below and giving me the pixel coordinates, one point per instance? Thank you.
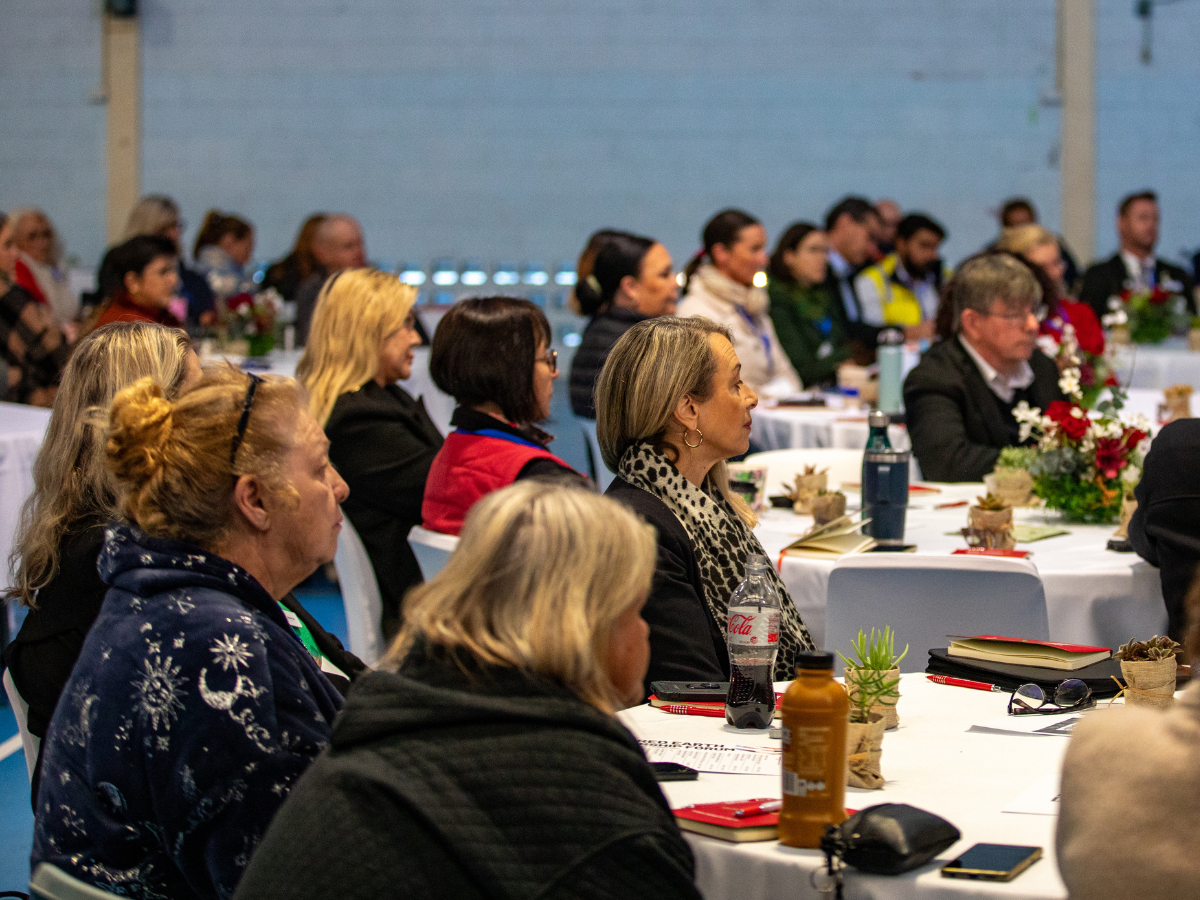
(510, 129)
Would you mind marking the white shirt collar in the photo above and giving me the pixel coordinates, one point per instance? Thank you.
(1135, 265)
(1001, 385)
(838, 262)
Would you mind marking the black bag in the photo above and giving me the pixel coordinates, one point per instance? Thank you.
(887, 839)
(1097, 676)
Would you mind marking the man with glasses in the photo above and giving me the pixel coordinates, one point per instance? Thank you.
(959, 400)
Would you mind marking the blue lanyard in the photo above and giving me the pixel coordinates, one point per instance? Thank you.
(502, 435)
(762, 335)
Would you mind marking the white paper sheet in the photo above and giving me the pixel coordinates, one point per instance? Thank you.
(704, 757)
(1039, 799)
(1051, 726)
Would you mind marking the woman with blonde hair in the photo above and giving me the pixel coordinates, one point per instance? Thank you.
(74, 495)
(489, 763)
(381, 439)
(671, 408)
(196, 702)
(38, 269)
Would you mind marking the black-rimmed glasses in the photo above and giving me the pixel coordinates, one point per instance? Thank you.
(1071, 695)
(255, 381)
(551, 359)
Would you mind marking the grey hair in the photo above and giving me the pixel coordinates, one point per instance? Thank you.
(984, 279)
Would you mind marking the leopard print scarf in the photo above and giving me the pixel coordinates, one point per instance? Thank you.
(722, 542)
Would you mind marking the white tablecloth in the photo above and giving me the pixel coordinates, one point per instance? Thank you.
(931, 761)
(1093, 595)
(790, 427)
(1158, 366)
(21, 432)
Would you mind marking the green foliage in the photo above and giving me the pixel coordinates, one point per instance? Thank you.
(1016, 457)
(874, 657)
(990, 503)
(1079, 501)
(1145, 651)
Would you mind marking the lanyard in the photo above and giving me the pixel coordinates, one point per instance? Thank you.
(502, 435)
(302, 632)
(760, 334)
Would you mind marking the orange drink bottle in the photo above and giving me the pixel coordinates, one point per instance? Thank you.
(815, 712)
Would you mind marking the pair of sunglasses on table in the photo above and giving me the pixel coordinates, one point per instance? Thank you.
(1070, 696)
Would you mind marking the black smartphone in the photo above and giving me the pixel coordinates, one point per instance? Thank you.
(993, 862)
(690, 691)
(665, 771)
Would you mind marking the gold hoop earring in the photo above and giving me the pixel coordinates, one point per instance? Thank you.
(698, 443)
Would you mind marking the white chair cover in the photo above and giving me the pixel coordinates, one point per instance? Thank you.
(926, 598)
(432, 549)
(603, 476)
(52, 883)
(360, 596)
(31, 743)
(784, 465)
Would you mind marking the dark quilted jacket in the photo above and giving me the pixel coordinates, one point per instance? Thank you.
(598, 338)
(439, 784)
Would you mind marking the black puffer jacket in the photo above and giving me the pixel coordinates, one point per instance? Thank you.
(492, 784)
(598, 338)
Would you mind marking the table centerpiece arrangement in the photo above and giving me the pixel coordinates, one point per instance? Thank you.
(1084, 462)
(250, 318)
(1084, 348)
(1146, 317)
(873, 683)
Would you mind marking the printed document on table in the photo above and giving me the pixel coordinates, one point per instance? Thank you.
(705, 757)
(1039, 799)
(1052, 726)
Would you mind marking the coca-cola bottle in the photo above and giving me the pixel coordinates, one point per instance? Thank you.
(752, 635)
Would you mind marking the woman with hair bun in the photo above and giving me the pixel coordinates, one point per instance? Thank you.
(631, 279)
(74, 495)
(724, 285)
(197, 701)
(487, 760)
(224, 245)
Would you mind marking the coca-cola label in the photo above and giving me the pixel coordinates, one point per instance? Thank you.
(756, 628)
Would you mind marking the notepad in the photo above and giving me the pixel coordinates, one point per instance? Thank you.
(719, 820)
(1026, 652)
(831, 540)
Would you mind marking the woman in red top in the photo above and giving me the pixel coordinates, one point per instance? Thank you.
(492, 354)
(138, 279)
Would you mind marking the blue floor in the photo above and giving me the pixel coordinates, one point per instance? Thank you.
(318, 595)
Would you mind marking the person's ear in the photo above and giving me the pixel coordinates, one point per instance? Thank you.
(248, 499)
(629, 287)
(687, 413)
(969, 324)
(719, 254)
(133, 282)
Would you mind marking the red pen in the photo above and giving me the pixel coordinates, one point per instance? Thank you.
(684, 709)
(758, 809)
(953, 504)
(962, 682)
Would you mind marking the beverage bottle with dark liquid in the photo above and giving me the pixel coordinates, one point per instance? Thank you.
(815, 713)
(752, 635)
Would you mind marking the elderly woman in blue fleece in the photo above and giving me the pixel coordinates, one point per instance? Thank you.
(198, 698)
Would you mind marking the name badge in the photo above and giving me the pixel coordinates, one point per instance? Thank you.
(292, 618)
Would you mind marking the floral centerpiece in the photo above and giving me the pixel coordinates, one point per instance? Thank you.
(1149, 317)
(251, 317)
(1083, 464)
(1085, 351)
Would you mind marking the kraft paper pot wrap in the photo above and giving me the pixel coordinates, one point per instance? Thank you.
(1150, 682)
(864, 753)
(1013, 486)
(886, 706)
(827, 507)
(807, 487)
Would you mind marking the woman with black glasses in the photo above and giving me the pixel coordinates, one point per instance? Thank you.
(199, 697)
(493, 356)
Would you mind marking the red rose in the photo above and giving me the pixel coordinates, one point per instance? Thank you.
(1125, 295)
(1088, 333)
(1158, 296)
(1111, 381)
(1087, 374)
(1133, 437)
(1062, 413)
(240, 302)
(1059, 410)
(1110, 456)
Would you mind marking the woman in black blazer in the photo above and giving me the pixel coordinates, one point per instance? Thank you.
(381, 440)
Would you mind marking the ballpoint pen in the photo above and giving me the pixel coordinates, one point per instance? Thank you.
(758, 809)
(962, 682)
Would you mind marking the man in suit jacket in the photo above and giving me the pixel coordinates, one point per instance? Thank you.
(959, 399)
(1134, 266)
(850, 227)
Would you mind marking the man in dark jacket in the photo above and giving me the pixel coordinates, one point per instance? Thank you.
(959, 400)
(452, 779)
(1134, 265)
(850, 227)
(1165, 529)
(337, 245)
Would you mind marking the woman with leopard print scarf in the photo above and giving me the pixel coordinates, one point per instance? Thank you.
(670, 409)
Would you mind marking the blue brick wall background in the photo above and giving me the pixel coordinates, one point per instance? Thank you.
(510, 129)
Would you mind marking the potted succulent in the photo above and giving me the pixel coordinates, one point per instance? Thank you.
(1177, 403)
(872, 681)
(1010, 480)
(1149, 671)
(809, 483)
(1194, 334)
(989, 524)
(827, 506)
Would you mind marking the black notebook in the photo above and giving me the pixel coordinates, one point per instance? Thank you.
(1098, 676)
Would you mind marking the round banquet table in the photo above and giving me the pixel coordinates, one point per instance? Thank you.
(1094, 596)
(1157, 366)
(21, 431)
(937, 760)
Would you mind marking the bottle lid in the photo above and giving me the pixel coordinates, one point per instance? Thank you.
(877, 418)
(814, 659)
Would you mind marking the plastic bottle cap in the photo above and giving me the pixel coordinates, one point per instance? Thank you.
(877, 418)
(814, 659)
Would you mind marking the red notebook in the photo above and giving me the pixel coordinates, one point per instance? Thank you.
(1026, 651)
(718, 820)
(990, 551)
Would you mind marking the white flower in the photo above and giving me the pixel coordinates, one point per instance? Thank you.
(1131, 474)
(1068, 382)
